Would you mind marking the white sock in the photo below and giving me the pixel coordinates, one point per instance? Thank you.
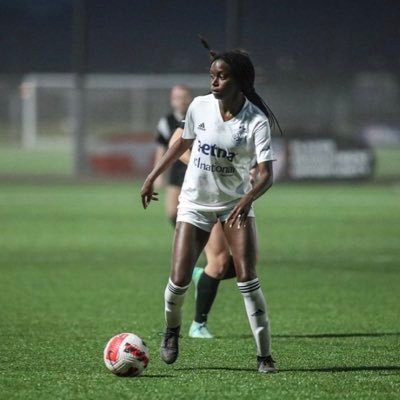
(256, 309)
(174, 297)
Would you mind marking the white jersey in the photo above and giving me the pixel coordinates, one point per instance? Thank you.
(223, 153)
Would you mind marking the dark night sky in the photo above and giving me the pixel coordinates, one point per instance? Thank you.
(161, 36)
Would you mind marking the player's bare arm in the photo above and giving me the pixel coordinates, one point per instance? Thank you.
(185, 157)
(173, 153)
(262, 183)
(161, 180)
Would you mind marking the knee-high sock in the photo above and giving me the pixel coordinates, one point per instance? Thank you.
(174, 297)
(206, 291)
(256, 309)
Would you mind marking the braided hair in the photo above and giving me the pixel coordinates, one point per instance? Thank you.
(244, 74)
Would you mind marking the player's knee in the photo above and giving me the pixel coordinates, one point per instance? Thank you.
(219, 265)
(180, 280)
(245, 274)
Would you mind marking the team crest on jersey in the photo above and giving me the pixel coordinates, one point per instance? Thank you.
(239, 135)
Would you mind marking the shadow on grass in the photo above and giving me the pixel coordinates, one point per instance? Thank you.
(155, 376)
(345, 369)
(217, 369)
(317, 335)
(337, 335)
(327, 369)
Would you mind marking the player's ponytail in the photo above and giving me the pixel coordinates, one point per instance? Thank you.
(257, 100)
(244, 74)
(211, 52)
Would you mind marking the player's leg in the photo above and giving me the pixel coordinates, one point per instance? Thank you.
(244, 247)
(171, 202)
(189, 242)
(218, 262)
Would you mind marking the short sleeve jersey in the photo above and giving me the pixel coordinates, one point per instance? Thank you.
(223, 153)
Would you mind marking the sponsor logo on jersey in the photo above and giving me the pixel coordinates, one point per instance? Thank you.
(223, 170)
(202, 126)
(215, 151)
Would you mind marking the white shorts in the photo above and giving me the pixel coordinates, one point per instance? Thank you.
(204, 220)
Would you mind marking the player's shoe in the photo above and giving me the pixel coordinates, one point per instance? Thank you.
(169, 349)
(196, 275)
(266, 365)
(199, 330)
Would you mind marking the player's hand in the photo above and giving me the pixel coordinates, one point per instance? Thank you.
(239, 214)
(147, 193)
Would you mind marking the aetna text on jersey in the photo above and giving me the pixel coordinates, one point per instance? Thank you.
(215, 151)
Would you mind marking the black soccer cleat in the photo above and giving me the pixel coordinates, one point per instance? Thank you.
(170, 345)
(266, 365)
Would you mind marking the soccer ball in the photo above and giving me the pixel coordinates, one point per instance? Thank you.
(126, 355)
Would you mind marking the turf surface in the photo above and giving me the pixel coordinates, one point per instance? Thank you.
(79, 264)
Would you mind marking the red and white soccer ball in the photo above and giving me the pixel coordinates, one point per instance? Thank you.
(126, 355)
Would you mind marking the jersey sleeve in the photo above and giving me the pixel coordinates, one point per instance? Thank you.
(262, 141)
(188, 131)
(163, 132)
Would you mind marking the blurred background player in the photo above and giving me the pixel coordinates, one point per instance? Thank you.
(180, 98)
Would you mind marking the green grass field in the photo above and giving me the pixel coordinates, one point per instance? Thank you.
(42, 161)
(79, 264)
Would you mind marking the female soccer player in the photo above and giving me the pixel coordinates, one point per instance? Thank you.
(217, 252)
(225, 129)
